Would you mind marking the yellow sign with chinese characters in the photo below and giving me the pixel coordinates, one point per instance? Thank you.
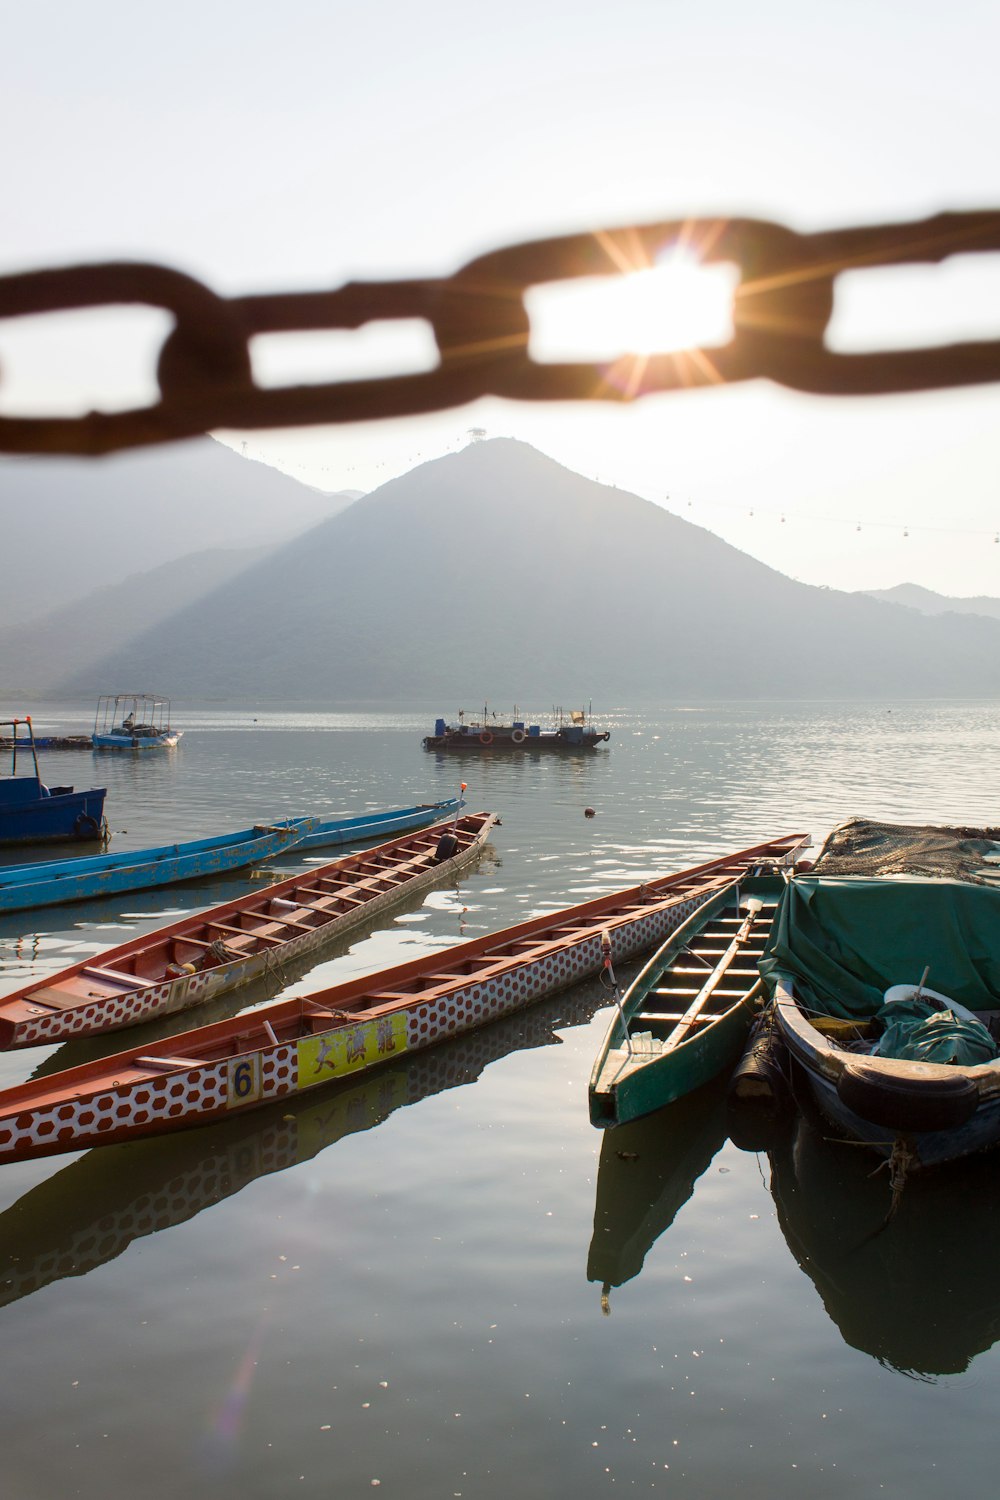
(349, 1049)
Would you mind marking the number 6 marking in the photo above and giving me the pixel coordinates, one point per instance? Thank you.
(243, 1080)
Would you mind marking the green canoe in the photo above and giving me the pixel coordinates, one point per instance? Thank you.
(686, 1016)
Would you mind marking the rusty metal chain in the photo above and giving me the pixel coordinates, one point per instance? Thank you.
(781, 308)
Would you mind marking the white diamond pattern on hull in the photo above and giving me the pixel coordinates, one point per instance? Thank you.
(485, 1000)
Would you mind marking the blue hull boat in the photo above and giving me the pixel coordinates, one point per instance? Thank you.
(133, 721)
(380, 825)
(23, 887)
(33, 813)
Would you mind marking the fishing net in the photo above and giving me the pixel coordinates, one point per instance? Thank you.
(863, 847)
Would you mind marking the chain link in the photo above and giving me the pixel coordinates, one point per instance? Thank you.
(781, 309)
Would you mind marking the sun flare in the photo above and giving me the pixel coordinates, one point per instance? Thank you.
(679, 304)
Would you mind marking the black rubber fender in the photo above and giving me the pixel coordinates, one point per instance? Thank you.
(907, 1104)
(86, 827)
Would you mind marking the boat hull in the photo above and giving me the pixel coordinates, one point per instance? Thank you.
(135, 741)
(24, 887)
(61, 817)
(490, 741)
(901, 1094)
(701, 1059)
(379, 825)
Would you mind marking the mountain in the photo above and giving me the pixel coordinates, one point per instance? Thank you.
(76, 524)
(929, 603)
(66, 642)
(497, 573)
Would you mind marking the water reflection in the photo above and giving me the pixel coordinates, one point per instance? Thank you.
(647, 1172)
(919, 1293)
(90, 1212)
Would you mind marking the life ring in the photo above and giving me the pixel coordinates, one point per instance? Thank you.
(86, 827)
(518, 736)
(486, 738)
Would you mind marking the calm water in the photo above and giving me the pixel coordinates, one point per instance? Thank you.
(398, 1286)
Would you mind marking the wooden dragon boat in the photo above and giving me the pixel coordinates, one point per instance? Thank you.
(290, 1046)
(201, 956)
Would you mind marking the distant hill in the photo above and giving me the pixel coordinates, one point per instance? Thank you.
(929, 603)
(497, 573)
(73, 525)
(66, 643)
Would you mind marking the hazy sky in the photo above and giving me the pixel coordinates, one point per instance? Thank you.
(264, 146)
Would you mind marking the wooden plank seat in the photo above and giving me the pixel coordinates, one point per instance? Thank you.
(117, 976)
(669, 1018)
(165, 1064)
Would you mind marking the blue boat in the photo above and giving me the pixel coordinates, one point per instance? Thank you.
(380, 825)
(33, 813)
(133, 721)
(25, 886)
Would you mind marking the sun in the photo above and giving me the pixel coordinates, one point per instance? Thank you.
(677, 304)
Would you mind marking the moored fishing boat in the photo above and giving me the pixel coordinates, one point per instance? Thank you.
(572, 730)
(193, 960)
(26, 886)
(293, 1045)
(133, 721)
(687, 1015)
(380, 825)
(911, 1071)
(33, 813)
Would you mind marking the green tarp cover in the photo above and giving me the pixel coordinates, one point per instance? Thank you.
(916, 1031)
(844, 940)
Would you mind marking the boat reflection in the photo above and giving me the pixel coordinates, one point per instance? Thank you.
(919, 1291)
(92, 1210)
(647, 1172)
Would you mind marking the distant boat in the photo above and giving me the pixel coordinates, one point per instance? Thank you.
(687, 1015)
(570, 731)
(204, 955)
(48, 742)
(23, 887)
(133, 721)
(380, 825)
(290, 1046)
(33, 813)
